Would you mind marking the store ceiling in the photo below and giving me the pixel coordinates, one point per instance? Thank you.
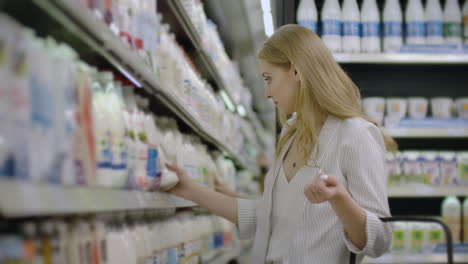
(240, 24)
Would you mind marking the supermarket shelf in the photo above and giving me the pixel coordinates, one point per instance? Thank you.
(226, 256)
(426, 191)
(24, 199)
(99, 37)
(416, 259)
(427, 132)
(189, 28)
(382, 58)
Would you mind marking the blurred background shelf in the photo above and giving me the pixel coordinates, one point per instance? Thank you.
(416, 259)
(426, 191)
(25, 199)
(403, 58)
(427, 132)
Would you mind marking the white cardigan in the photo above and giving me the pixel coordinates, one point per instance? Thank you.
(352, 150)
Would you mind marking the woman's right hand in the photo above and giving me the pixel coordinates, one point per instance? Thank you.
(182, 189)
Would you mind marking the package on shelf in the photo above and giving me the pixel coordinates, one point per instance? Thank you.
(415, 237)
(432, 168)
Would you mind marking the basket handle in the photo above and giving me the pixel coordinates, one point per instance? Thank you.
(448, 234)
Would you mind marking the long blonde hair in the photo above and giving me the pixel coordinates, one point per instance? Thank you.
(324, 87)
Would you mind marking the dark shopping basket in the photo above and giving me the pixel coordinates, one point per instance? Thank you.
(448, 234)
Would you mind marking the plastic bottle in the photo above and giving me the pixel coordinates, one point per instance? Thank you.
(350, 17)
(462, 158)
(331, 25)
(417, 237)
(465, 22)
(465, 220)
(153, 167)
(142, 150)
(393, 28)
(370, 19)
(415, 33)
(434, 22)
(434, 236)
(412, 166)
(451, 214)
(307, 15)
(452, 22)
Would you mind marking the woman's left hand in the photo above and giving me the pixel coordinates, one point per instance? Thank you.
(323, 188)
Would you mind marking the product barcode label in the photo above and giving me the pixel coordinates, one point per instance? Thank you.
(351, 28)
(434, 28)
(452, 29)
(415, 29)
(310, 24)
(392, 29)
(370, 29)
(331, 27)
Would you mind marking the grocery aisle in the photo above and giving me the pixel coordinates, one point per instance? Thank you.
(97, 96)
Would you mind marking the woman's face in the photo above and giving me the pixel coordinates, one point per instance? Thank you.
(282, 86)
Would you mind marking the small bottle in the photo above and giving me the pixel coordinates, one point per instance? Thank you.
(331, 25)
(393, 33)
(370, 20)
(451, 214)
(452, 22)
(434, 22)
(415, 33)
(351, 41)
(307, 15)
(465, 22)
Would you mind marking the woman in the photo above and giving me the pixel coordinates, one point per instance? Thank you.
(327, 189)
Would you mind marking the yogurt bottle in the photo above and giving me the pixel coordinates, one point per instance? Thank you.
(449, 168)
(430, 167)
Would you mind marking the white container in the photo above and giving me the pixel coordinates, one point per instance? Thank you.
(331, 25)
(393, 164)
(307, 15)
(430, 167)
(417, 107)
(435, 235)
(434, 22)
(441, 107)
(396, 107)
(414, 15)
(452, 22)
(393, 28)
(370, 20)
(350, 17)
(449, 168)
(412, 166)
(451, 215)
(400, 241)
(465, 22)
(462, 107)
(417, 237)
(465, 220)
(374, 108)
(462, 159)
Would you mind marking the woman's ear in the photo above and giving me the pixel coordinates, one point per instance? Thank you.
(295, 73)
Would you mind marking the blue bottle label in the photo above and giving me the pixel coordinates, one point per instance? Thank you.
(331, 27)
(351, 28)
(434, 28)
(392, 29)
(151, 167)
(371, 29)
(415, 29)
(310, 24)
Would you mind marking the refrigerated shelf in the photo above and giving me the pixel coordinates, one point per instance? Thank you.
(401, 58)
(82, 22)
(416, 259)
(427, 132)
(426, 191)
(26, 199)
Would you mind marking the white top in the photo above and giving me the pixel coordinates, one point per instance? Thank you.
(280, 219)
(353, 151)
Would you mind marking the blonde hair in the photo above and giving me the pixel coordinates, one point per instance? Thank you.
(324, 87)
